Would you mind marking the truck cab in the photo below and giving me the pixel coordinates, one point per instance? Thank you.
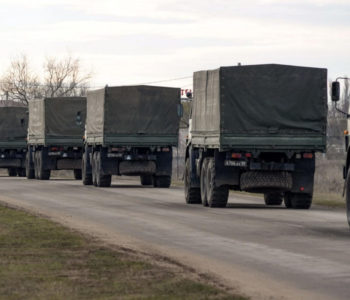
(335, 98)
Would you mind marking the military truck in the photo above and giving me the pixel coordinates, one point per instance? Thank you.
(13, 139)
(130, 130)
(55, 136)
(346, 169)
(256, 128)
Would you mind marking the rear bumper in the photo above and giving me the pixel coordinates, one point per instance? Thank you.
(274, 143)
(12, 163)
(134, 140)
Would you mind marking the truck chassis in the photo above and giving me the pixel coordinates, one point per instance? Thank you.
(210, 174)
(152, 164)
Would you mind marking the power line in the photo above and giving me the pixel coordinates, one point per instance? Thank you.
(95, 87)
(167, 80)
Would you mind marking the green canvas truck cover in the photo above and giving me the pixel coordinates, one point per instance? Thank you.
(133, 115)
(13, 127)
(260, 106)
(57, 121)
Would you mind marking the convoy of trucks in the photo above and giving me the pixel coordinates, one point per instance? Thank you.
(55, 136)
(130, 130)
(256, 129)
(13, 135)
(252, 128)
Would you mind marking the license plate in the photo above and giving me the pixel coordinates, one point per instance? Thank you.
(54, 153)
(235, 163)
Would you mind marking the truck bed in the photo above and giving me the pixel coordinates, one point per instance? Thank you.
(133, 116)
(260, 107)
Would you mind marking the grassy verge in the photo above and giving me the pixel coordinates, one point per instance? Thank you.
(329, 199)
(40, 259)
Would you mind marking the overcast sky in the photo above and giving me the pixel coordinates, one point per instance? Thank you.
(134, 41)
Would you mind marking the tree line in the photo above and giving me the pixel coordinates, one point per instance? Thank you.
(61, 77)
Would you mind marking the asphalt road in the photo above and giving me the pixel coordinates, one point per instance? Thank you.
(264, 252)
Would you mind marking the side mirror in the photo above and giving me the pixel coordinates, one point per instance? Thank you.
(335, 91)
(180, 110)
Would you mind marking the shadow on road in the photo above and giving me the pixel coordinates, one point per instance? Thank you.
(123, 186)
(63, 179)
(252, 206)
(335, 232)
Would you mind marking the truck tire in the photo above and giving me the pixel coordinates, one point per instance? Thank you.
(203, 182)
(217, 196)
(146, 179)
(102, 180)
(347, 196)
(287, 200)
(21, 172)
(162, 181)
(192, 195)
(260, 180)
(93, 168)
(29, 165)
(87, 178)
(300, 201)
(42, 173)
(77, 174)
(12, 172)
(273, 198)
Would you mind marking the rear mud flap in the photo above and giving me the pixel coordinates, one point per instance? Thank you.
(260, 181)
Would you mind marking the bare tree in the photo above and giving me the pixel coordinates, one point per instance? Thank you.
(64, 77)
(19, 83)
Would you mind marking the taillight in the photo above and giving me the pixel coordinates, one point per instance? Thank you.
(165, 149)
(236, 155)
(54, 149)
(308, 155)
(248, 155)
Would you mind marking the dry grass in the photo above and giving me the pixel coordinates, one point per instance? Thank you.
(329, 199)
(329, 176)
(42, 260)
(329, 182)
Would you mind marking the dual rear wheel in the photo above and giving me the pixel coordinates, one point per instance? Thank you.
(99, 179)
(86, 166)
(192, 194)
(208, 194)
(212, 195)
(39, 166)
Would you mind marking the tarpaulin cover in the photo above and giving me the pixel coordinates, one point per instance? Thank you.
(133, 110)
(260, 100)
(57, 117)
(13, 123)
